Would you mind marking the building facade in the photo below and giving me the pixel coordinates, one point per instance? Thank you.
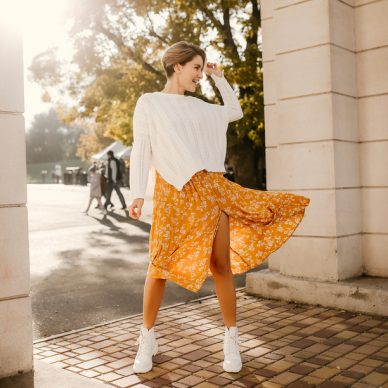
(326, 113)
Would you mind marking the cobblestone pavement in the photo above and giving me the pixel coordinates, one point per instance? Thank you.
(282, 345)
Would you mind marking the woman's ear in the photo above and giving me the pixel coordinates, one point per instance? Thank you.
(177, 68)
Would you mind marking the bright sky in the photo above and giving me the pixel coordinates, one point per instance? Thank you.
(40, 24)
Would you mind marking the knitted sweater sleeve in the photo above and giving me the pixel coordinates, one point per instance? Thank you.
(140, 158)
(231, 102)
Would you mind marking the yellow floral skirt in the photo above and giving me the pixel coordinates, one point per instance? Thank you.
(184, 224)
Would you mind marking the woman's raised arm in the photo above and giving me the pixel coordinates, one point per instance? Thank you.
(229, 97)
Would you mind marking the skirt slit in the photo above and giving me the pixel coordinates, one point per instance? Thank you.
(185, 223)
(214, 236)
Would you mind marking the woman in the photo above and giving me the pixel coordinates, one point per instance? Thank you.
(95, 189)
(202, 223)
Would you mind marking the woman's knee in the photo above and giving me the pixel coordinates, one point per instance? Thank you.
(220, 267)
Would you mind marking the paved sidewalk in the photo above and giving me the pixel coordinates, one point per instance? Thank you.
(283, 345)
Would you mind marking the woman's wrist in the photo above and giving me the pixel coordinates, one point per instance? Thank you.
(218, 74)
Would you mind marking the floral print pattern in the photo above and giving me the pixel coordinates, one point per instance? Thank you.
(184, 224)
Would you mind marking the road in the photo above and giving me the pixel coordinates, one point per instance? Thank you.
(87, 270)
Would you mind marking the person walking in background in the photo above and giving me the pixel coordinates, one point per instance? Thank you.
(94, 164)
(203, 224)
(114, 178)
(95, 188)
(102, 170)
(103, 180)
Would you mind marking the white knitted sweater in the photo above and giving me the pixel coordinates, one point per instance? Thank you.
(180, 135)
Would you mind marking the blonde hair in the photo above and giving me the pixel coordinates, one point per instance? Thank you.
(180, 52)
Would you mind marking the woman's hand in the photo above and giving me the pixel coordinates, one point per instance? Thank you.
(135, 208)
(212, 68)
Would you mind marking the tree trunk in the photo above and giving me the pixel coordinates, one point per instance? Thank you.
(248, 164)
(261, 170)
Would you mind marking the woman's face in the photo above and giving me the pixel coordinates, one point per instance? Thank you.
(191, 73)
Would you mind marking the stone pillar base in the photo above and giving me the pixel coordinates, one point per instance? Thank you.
(361, 294)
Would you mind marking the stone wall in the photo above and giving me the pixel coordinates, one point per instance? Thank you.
(15, 302)
(371, 31)
(326, 94)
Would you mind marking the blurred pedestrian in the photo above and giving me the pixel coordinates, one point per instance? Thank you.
(101, 168)
(95, 189)
(114, 178)
(103, 180)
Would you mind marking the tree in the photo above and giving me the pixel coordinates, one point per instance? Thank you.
(49, 140)
(118, 46)
(92, 140)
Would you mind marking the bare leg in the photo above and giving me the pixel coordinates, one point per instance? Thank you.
(152, 298)
(222, 273)
(101, 206)
(90, 202)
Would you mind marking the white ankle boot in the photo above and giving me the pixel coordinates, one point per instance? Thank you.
(232, 359)
(148, 347)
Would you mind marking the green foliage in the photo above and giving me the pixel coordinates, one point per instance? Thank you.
(119, 44)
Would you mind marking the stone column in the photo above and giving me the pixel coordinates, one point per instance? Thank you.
(313, 74)
(372, 81)
(15, 302)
